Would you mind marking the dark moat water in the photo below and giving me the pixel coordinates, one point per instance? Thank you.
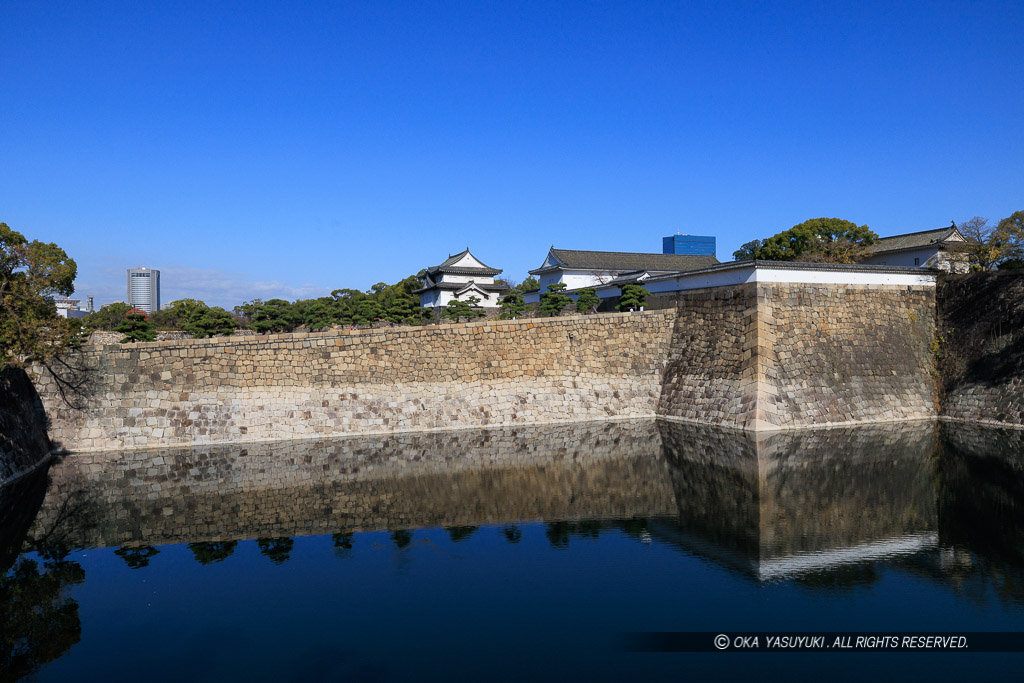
(513, 554)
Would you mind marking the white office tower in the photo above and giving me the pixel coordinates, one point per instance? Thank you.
(144, 289)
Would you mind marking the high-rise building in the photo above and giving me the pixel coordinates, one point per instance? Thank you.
(693, 245)
(144, 289)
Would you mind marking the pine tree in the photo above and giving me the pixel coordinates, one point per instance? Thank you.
(457, 309)
(554, 300)
(512, 306)
(633, 298)
(136, 327)
(587, 300)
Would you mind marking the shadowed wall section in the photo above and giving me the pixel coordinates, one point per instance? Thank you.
(23, 439)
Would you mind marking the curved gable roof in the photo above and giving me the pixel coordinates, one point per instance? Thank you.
(463, 263)
(916, 240)
(623, 261)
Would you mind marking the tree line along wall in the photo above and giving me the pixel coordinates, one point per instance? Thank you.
(755, 356)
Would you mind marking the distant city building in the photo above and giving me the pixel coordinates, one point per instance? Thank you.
(690, 245)
(69, 308)
(144, 289)
(460, 277)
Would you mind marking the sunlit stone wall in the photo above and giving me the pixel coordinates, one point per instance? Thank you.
(756, 356)
(840, 354)
(314, 385)
(772, 355)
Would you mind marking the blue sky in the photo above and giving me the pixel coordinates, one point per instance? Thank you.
(288, 149)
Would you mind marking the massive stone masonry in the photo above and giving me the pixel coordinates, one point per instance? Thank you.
(757, 356)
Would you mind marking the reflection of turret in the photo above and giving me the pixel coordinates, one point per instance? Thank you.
(798, 502)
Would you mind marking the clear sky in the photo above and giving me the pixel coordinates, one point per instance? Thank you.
(287, 149)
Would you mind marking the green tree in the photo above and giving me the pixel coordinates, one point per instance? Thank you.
(530, 284)
(178, 314)
(346, 303)
(823, 240)
(1010, 234)
(136, 327)
(554, 300)
(748, 251)
(367, 311)
(213, 322)
(468, 309)
(633, 298)
(987, 246)
(275, 315)
(512, 305)
(321, 313)
(31, 275)
(398, 302)
(587, 300)
(246, 311)
(107, 318)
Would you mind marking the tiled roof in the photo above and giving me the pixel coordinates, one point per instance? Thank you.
(912, 240)
(625, 261)
(449, 267)
(455, 286)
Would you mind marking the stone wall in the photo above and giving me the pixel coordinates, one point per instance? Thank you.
(23, 440)
(315, 385)
(772, 355)
(711, 376)
(755, 356)
(981, 347)
(845, 354)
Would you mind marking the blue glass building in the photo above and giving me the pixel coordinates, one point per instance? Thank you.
(695, 245)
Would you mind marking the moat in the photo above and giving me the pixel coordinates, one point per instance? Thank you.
(511, 553)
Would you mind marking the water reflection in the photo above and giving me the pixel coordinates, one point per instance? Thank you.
(827, 509)
(794, 503)
(38, 617)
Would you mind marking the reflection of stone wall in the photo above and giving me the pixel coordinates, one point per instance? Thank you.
(557, 472)
(810, 490)
(23, 440)
(334, 383)
(981, 490)
(846, 486)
